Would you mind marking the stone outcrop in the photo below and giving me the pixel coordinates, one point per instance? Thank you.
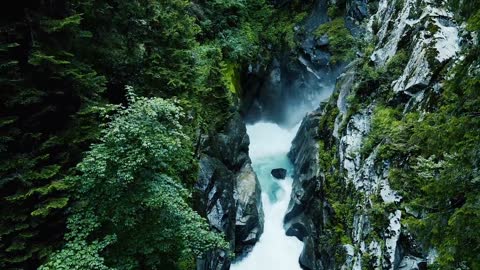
(309, 210)
(307, 213)
(426, 31)
(279, 173)
(249, 213)
(228, 193)
(289, 82)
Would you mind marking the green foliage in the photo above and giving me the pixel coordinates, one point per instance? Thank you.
(341, 41)
(55, 25)
(235, 26)
(212, 94)
(464, 9)
(65, 63)
(379, 212)
(391, 132)
(449, 194)
(144, 44)
(340, 194)
(333, 11)
(44, 89)
(250, 30)
(374, 83)
(473, 24)
(231, 76)
(79, 253)
(133, 184)
(399, 5)
(281, 31)
(396, 65)
(434, 158)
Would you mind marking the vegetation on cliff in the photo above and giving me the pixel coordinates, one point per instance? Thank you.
(432, 153)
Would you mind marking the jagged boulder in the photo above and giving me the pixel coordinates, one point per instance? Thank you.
(307, 212)
(279, 173)
(249, 212)
(228, 193)
(214, 199)
(412, 263)
(322, 40)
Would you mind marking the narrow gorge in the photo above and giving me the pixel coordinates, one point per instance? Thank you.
(269, 145)
(349, 204)
(240, 134)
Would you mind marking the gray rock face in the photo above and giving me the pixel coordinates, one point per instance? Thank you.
(317, 16)
(288, 83)
(407, 27)
(323, 41)
(249, 214)
(412, 263)
(357, 9)
(345, 83)
(316, 48)
(228, 193)
(357, 12)
(307, 213)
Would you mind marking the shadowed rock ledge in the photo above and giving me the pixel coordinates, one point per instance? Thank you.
(307, 211)
(228, 193)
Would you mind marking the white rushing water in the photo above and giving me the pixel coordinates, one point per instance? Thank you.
(269, 145)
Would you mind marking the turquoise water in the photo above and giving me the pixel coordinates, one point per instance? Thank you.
(269, 145)
(271, 186)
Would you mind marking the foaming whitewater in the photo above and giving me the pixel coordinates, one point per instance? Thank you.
(269, 145)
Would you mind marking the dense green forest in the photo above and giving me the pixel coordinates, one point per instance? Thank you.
(100, 90)
(103, 103)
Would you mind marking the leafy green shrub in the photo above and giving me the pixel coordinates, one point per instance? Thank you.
(438, 176)
(396, 65)
(132, 183)
(473, 24)
(391, 130)
(341, 40)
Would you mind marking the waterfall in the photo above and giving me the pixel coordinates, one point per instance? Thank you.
(269, 145)
(285, 97)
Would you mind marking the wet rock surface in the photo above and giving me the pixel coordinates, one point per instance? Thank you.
(357, 9)
(279, 173)
(228, 193)
(289, 82)
(307, 212)
(249, 214)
